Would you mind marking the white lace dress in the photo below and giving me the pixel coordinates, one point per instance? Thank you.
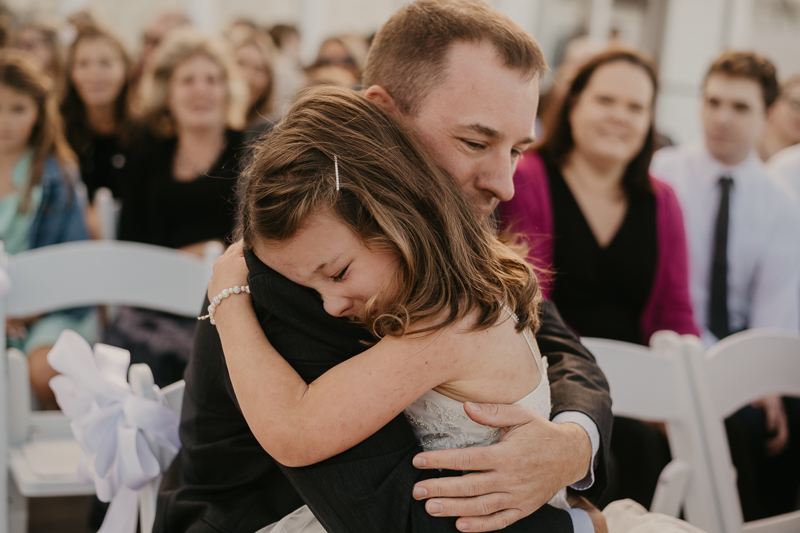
(440, 423)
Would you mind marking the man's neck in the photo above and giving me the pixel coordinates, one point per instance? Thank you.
(101, 119)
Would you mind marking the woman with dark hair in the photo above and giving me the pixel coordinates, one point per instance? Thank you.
(96, 108)
(609, 235)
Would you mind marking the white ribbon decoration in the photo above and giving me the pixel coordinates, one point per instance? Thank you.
(127, 440)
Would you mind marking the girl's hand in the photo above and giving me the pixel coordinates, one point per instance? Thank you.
(229, 269)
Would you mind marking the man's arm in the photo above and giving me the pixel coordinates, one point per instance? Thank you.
(540, 457)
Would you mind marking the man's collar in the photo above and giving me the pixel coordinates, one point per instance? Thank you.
(713, 168)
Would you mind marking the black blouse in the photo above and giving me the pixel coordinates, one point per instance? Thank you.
(102, 159)
(601, 292)
(157, 209)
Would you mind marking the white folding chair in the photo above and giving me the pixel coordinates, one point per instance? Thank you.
(37, 446)
(653, 384)
(141, 380)
(731, 374)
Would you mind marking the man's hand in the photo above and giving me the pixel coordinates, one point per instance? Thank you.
(511, 479)
(777, 424)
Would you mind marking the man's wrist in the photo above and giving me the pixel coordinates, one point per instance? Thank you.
(579, 447)
(590, 428)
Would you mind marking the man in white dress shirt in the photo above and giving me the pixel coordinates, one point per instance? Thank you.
(742, 225)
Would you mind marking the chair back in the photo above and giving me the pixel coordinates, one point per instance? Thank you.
(731, 374)
(653, 384)
(84, 273)
(74, 274)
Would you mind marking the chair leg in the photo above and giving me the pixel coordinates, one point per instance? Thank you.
(17, 509)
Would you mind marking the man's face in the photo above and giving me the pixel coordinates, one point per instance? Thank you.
(733, 117)
(477, 123)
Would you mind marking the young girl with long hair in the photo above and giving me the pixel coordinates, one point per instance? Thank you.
(96, 107)
(39, 200)
(341, 200)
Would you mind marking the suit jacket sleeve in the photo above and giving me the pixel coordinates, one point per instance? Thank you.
(576, 384)
(222, 479)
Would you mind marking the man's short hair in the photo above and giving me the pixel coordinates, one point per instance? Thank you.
(408, 54)
(751, 66)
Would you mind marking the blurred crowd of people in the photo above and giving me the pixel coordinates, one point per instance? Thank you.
(166, 133)
(700, 239)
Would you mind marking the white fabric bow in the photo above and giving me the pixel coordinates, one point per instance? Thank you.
(127, 440)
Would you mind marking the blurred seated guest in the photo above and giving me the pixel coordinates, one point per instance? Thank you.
(742, 228)
(785, 165)
(241, 29)
(82, 19)
(180, 186)
(348, 52)
(330, 75)
(5, 27)
(41, 41)
(783, 121)
(158, 30)
(610, 235)
(39, 201)
(287, 38)
(255, 55)
(96, 109)
(290, 76)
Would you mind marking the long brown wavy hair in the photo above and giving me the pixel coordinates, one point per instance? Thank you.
(394, 198)
(72, 107)
(21, 73)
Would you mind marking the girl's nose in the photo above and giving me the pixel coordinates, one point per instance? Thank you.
(337, 305)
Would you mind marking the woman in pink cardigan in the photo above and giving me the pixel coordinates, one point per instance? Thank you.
(608, 238)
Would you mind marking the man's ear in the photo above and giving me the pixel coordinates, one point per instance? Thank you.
(380, 96)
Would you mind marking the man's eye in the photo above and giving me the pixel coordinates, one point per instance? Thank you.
(340, 275)
(472, 144)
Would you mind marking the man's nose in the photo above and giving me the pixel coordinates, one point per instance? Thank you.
(498, 179)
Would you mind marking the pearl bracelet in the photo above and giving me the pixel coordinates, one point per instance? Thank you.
(212, 308)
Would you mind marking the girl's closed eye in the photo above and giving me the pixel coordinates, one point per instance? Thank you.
(338, 277)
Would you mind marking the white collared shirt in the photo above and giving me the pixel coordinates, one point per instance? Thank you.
(763, 237)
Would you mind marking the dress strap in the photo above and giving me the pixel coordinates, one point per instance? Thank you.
(537, 356)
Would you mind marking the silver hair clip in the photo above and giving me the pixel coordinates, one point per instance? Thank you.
(336, 167)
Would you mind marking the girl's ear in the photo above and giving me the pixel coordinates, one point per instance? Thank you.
(380, 96)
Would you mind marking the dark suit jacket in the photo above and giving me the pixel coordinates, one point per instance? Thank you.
(223, 481)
